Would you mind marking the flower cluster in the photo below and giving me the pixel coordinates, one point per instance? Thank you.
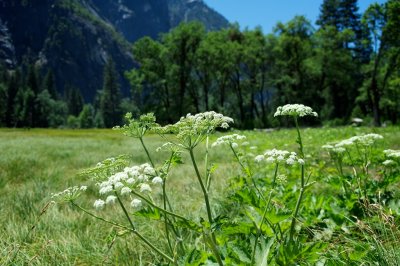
(334, 149)
(138, 127)
(395, 154)
(229, 140)
(279, 156)
(138, 178)
(105, 168)
(70, 193)
(191, 128)
(363, 140)
(295, 110)
(393, 157)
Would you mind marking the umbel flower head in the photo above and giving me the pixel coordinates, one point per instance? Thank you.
(363, 140)
(279, 156)
(295, 110)
(138, 127)
(229, 140)
(192, 129)
(69, 194)
(142, 178)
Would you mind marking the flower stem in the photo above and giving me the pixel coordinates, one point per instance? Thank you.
(249, 174)
(147, 152)
(100, 218)
(208, 207)
(302, 188)
(158, 208)
(141, 236)
(264, 214)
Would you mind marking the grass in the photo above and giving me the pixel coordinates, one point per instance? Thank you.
(35, 163)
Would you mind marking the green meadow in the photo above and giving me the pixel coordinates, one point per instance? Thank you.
(38, 162)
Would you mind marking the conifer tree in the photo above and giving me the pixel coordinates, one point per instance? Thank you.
(111, 96)
(329, 14)
(74, 100)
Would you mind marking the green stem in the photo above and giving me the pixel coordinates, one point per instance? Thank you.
(299, 141)
(147, 152)
(100, 218)
(158, 208)
(293, 225)
(302, 188)
(207, 174)
(166, 219)
(249, 174)
(264, 214)
(259, 228)
(139, 235)
(208, 207)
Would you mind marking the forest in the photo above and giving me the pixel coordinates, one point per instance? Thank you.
(346, 67)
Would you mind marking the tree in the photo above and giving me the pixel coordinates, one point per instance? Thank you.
(329, 14)
(150, 87)
(293, 74)
(74, 100)
(86, 117)
(49, 84)
(111, 96)
(382, 22)
(3, 103)
(181, 44)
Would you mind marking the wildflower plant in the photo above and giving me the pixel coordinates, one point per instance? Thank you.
(260, 221)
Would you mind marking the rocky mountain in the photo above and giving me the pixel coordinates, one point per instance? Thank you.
(74, 38)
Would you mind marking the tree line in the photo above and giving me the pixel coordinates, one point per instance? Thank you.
(30, 99)
(348, 67)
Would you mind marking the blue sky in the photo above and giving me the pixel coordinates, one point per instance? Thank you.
(266, 13)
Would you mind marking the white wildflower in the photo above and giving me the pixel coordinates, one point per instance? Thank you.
(99, 204)
(111, 199)
(118, 185)
(229, 140)
(259, 158)
(130, 180)
(294, 110)
(277, 156)
(389, 163)
(125, 191)
(145, 188)
(290, 161)
(136, 203)
(392, 153)
(157, 180)
(105, 189)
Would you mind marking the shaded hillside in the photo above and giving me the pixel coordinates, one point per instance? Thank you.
(75, 37)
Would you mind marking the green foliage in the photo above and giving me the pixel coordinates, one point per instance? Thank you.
(74, 100)
(86, 117)
(280, 207)
(111, 96)
(38, 162)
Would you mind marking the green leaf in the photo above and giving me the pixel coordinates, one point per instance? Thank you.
(261, 256)
(148, 212)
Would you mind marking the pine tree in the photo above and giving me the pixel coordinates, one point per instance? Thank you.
(49, 84)
(74, 100)
(329, 14)
(111, 96)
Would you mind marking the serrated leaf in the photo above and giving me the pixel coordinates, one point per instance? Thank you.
(148, 212)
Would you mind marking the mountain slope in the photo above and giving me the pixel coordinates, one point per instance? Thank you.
(75, 37)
